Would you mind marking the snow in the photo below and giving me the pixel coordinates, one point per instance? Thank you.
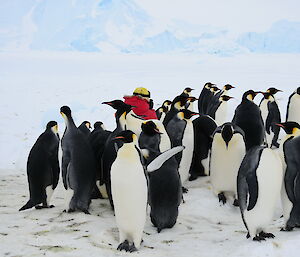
(34, 85)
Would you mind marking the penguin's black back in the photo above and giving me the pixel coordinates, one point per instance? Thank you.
(42, 167)
(292, 178)
(248, 117)
(204, 128)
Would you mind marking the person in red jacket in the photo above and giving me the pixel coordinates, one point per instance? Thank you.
(142, 102)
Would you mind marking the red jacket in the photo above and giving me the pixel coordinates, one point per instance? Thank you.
(142, 107)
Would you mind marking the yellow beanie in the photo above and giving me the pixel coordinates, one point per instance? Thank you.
(141, 91)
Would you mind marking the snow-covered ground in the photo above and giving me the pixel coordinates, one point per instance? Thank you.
(35, 85)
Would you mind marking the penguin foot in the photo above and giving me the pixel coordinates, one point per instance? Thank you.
(70, 210)
(258, 238)
(222, 198)
(287, 228)
(159, 230)
(124, 246)
(132, 248)
(184, 190)
(39, 207)
(236, 203)
(86, 212)
(51, 206)
(266, 235)
(248, 235)
(193, 177)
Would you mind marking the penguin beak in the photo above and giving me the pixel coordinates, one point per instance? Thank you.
(119, 137)
(108, 103)
(157, 131)
(193, 114)
(279, 125)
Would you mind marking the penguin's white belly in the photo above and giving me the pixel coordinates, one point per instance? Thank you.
(264, 115)
(221, 114)
(163, 116)
(187, 153)
(134, 124)
(264, 110)
(165, 142)
(129, 193)
(269, 178)
(225, 163)
(287, 205)
(205, 164)
(49, 193)
(294, 107)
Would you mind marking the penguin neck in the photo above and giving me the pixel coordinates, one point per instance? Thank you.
(129, 152)
(70, 122)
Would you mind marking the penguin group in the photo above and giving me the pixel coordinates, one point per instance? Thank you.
(148, 162)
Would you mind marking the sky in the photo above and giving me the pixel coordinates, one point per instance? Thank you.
(237, 15)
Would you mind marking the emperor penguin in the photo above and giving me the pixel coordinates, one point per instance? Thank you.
(85, 128)
(165, 190)
(248, 117)
(181, 132)
(293, 107)
(204, 96)
(225, 89)
(204, 127)
(109, 152)
(271, 115)
(162, 111)
(290, 150)
(227, 153)
(219, 110)
(258, 196)
(43, 168)
(97, 139)
(178, 104)
(129, 192)
(78, 166)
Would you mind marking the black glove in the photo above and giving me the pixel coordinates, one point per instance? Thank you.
(151, 104)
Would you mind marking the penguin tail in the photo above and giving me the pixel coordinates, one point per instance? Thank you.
(28, 205)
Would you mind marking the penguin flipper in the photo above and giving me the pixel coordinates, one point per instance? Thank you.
(28, 205)
(65, 162)
(251, 180)
(163, 157)
(55, 171)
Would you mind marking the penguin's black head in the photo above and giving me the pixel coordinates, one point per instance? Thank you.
(290, 127)
(180, 101)
(116, 104)
(227, 133)
(214, 89)
(273, 90)
(188, 90)
(65, 110)
(225, 98)
(98, 124)
(266, 94)
(126, 136)
(208, 85)
(228, 87)
(298, 90)
(186, 114)
(150, 128)
(51, 124)
(87, 124)
(120, 106)
(249, 95)
(167, 103)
